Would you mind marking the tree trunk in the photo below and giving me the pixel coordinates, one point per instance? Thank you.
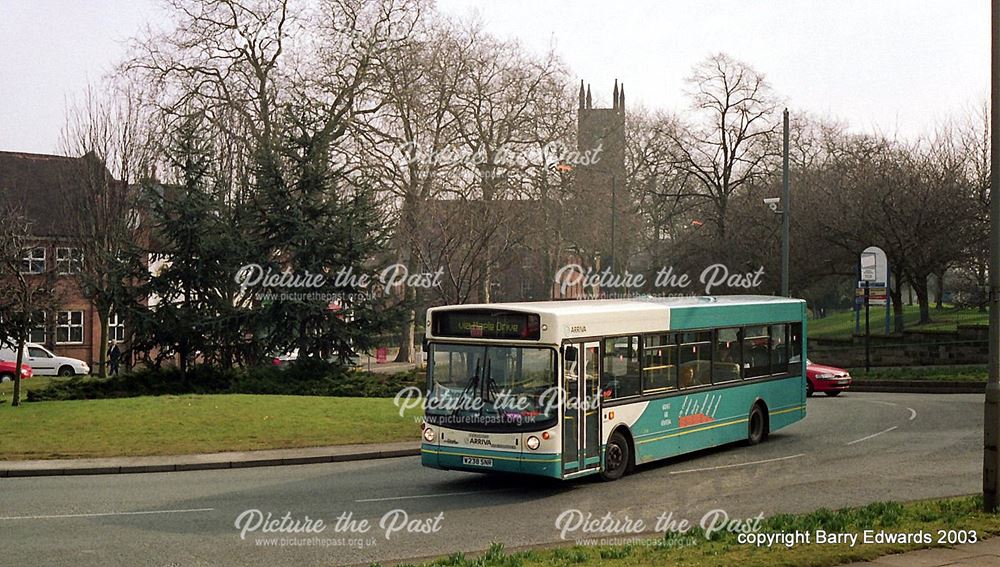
(897, 302)
(183, 362)
(406, 339)
(939, 278)
(407, 331)
(16, 398)
(919, 286)
(983, 284)
(102, 365)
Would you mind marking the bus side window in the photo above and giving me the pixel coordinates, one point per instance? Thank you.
(620, 377)
(659, 363)
(779, 349)
(695, 359)
(755, 351)
(726, 366)
(795, 348)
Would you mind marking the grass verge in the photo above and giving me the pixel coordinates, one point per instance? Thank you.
(970, 373)
(170, 425)
(840, 325)
(34, 383)
(722, 550)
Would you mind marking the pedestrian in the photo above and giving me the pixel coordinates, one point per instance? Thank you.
(114, 357)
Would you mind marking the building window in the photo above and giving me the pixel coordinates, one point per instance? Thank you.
(621, 367)
(756, 353)
(116, 328)
(69, 260)
(659, 363)
(69, 327)
(33, 261)
(37, 333)
(695, 359)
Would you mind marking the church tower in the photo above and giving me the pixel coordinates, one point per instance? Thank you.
(601, 185)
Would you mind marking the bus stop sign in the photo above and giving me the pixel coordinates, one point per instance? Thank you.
(874, 265)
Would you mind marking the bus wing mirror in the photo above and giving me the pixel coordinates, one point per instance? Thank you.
(569, 354)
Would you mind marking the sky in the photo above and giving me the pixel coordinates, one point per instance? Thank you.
(897, 67)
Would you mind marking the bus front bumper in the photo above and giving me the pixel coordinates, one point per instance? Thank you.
(486, 461)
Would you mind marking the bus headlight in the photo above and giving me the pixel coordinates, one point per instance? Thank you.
(428, 434)
(532, 442)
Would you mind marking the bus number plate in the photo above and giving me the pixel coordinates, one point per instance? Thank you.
(477, 461)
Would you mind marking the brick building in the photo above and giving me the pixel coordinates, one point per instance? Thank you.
(47, 188)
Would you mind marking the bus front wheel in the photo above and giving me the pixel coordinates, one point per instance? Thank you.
(757, 430)
(616, 457)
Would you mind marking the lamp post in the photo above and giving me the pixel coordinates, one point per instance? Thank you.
(783, 206)
(614, 220)
(991, 423)
(785, 210)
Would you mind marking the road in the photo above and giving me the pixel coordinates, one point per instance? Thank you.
(850, 450)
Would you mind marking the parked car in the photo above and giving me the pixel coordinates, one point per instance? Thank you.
(283, 360)
(45, 363)
(827, 379)
(7, 371)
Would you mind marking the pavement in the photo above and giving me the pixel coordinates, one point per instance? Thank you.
(985, 553)
(208, 461)
(849, 451)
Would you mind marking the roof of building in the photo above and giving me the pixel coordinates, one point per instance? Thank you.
(46, 187)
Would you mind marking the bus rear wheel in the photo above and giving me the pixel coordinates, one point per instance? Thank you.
(616, 457)
(757, 429)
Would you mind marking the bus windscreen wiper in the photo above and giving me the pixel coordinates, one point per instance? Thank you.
(470, 386)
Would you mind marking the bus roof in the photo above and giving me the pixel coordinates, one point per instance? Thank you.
(644, 313)
(642, 303)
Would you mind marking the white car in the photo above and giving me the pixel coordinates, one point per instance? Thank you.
(45, 362)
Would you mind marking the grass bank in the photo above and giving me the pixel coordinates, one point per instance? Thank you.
(35, 383)
(840, 325)
(965, 373)
(722, 550)
(170, 425)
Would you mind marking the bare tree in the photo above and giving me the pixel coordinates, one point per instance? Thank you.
(405, 143)
(25, 292)
(107, 130)
(734, 143)
(499, 101)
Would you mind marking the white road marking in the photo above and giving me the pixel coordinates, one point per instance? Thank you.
(880, 402)
(103, 514)
(873, 435)
(913, 412)
(738, 464)
(390, 498)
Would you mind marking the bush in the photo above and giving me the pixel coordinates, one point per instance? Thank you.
(303, 378)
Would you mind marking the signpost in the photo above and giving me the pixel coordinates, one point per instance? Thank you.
(874, 288)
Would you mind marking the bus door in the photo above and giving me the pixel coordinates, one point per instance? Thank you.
(581, 408)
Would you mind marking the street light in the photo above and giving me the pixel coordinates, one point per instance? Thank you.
(786, 209)
(991, 422)
(783, 206)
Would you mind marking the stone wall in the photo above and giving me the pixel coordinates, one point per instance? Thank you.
(966, 345)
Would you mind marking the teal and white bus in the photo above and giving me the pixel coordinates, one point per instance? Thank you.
(566, 389)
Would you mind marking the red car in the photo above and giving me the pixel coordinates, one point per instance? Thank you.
(827, 379)
(7, 371)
